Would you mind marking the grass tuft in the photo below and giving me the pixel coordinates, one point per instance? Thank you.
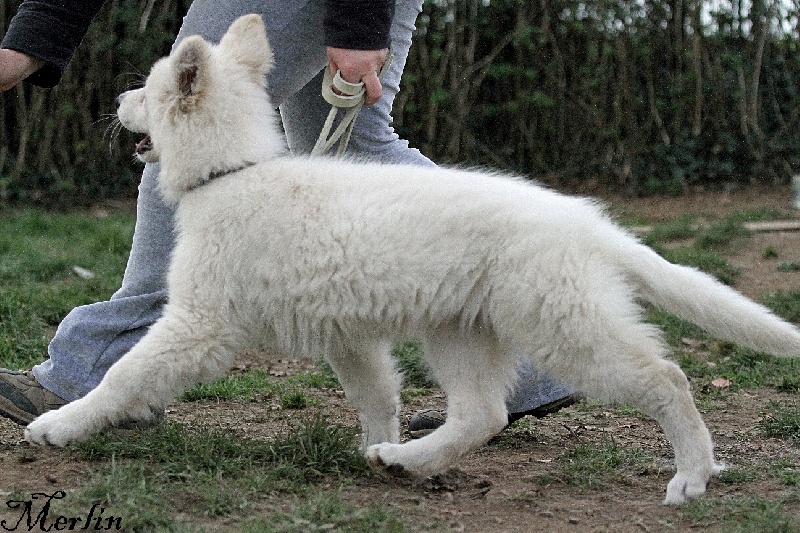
(129, 492)
(707, 242)
(785, 304)
(741, 515)
(592, 468)
(706, 260)
(783, 422)
(412, 363)
(319, 449)
(327, 512)
(248, 385)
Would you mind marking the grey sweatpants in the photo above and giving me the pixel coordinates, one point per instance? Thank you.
(93, 337)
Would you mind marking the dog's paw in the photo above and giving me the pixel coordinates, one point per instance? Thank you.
(49, 430)
(57, 428)
(384, 458)
(685, 487)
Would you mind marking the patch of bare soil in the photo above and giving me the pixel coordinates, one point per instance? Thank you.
(518, 482)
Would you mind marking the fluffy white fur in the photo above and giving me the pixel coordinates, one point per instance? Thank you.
(315, 256)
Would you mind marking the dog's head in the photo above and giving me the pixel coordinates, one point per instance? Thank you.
(204, 108)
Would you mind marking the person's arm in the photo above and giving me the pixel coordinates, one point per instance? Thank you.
(47, 32)
(357, 40)
(15, 67)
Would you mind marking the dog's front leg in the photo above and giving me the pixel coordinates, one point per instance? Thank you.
(475, 373)
(175, 354)
(372, 384)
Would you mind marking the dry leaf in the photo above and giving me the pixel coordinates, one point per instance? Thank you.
(721, 383)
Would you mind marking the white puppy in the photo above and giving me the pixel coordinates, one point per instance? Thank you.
(315, 256)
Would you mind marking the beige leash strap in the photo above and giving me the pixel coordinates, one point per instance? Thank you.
(350, 97)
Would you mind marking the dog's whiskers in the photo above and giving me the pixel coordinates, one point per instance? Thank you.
(137, 79)
(112, 131)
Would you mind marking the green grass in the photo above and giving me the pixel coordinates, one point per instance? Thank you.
(707, 242)
(175, 475)
(38, 287)
(150, 475)
(248, 385)
(313, 448)
(132, 492)
(785, 304)
(717, 234)
(789, 267)
(317, 449)
(705, 260)
(327, 512)
(415, 370)
(783, 421)
(747, 471)
(257, 385)
(760, 214)
(595, 468)
(322, 378)
(720, 359)
(722, 234)
(680, 228)
(741, 515)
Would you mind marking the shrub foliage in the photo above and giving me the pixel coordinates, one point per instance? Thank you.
(654, 96)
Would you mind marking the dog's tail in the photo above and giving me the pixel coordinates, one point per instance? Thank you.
(715, 307)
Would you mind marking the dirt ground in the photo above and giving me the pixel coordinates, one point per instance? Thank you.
(515, 483)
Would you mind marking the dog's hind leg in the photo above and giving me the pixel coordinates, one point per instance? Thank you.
(178, 351)
(630, 370)
(476, 375)
(372, 384)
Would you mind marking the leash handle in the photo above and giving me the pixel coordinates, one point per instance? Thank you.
(348, 96)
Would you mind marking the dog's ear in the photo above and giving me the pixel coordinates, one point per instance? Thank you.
(190, 63)
(246, 42)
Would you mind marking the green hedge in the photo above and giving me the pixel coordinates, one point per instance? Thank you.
(58, 145)
(615, 94)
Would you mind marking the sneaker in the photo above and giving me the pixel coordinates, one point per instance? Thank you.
(425, 422)
(22, 398)
(546, 409)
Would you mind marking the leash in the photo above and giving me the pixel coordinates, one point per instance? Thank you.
(350, 97)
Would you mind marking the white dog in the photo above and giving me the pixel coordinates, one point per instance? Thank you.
(310, 255)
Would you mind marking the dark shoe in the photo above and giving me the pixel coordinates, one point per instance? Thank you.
(22, 398)
(546, 409)
(425, 422)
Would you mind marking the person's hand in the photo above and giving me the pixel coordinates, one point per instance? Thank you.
(359, 66)
(15, 67)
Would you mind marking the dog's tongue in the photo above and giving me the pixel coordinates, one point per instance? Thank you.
(144, 145)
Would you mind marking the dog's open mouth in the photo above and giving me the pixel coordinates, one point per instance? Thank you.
(144, 146)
